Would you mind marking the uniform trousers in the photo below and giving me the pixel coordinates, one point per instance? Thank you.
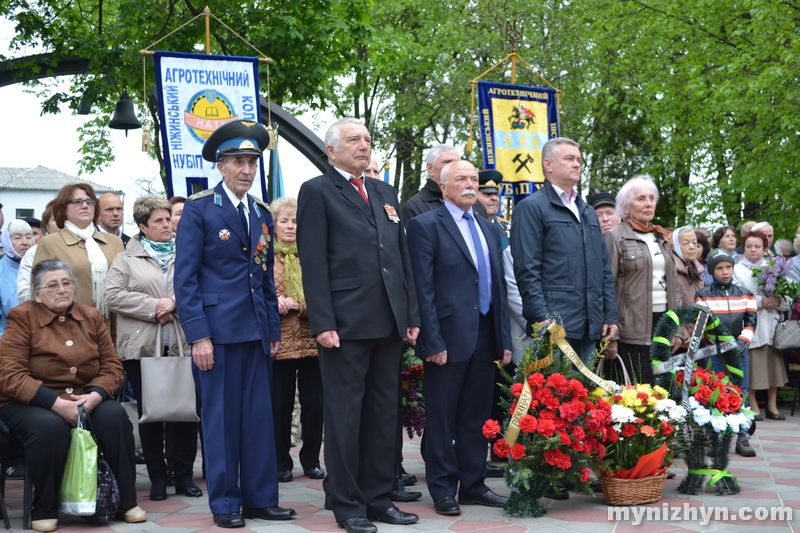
(182, 435)
(361, 386)
(458, 400)
(237, 427)
(46, 439)
(304, 374)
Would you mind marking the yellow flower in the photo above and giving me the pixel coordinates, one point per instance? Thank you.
(660, 392)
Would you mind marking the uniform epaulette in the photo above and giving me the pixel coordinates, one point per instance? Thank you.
(201, 194)
(261, 203)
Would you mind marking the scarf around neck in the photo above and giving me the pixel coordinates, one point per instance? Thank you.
(646, 228)
(293, 274)
(97, 260)
(160, 251)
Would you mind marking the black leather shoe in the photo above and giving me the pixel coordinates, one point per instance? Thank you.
(284, 476)
(358, 524)
(493, 471)
(188, 488)
(395, 516)
(774, 416)
(447, 505)
(139, 458)
(229, 520)
(404, 496)
(408, 479)
(268, 513)
(158, 490)
(314, 473)
(488, 498)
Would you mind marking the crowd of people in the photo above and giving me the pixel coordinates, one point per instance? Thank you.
(319, 296)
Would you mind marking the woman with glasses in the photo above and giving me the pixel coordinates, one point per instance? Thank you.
(56, 355)
(88, 251)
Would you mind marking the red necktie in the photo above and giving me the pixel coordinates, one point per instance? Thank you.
(359, 182)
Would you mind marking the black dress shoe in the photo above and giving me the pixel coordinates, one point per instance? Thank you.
(447, 505)
(408, 479)
(158, 490)
(493, 471)
(284, 476)
(314, 473)
(395, 516)
(188, 488)
(229, 520)
(488, 498)
(139, 458)
(404, 496)
(268, 513)
(774, 416)
(357, 524)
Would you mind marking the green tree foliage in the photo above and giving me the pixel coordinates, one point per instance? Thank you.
(311, 41)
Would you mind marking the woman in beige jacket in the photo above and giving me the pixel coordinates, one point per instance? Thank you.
(139, 289)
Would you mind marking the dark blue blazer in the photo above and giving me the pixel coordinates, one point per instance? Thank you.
(220, 290)
(447, 286)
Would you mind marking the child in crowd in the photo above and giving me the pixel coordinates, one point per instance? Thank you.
(736, 308)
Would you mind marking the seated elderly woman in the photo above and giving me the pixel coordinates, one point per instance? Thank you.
(55, 355)
(17, 240)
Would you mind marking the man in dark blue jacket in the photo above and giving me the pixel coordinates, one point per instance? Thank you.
(458, 272)
(560, 258)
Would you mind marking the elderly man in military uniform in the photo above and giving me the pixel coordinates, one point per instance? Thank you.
(489, 196)
(229, 311)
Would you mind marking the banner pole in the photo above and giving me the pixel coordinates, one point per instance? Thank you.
(514, 66)
(207, 15)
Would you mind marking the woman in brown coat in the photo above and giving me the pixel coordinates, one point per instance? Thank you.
(55, 355)
(296, 365)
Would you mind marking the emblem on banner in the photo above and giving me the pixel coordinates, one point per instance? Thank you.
(522, 118)
(206, 111)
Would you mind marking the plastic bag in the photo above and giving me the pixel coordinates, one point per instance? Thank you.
(78, 493)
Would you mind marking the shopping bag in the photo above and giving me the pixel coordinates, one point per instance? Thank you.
(78, 492)
(107, 487)
(168, 389)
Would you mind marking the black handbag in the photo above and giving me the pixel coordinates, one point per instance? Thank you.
(107, 487)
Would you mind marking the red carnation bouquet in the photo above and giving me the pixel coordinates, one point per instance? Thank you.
(555, 433)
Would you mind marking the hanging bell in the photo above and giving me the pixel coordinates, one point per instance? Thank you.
(124, 116)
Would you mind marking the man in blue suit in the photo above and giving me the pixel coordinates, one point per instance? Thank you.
(229, 311)
(461, 291)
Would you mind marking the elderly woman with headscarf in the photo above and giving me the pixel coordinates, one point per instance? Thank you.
(86, 249)
(646, 279)
(689, 269)
(17, 240)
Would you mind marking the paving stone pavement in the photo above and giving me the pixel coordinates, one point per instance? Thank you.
(769, 480)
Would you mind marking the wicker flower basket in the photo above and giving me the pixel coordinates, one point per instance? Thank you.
(633, 491)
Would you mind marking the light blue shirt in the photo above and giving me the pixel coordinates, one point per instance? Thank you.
(9, 270)
(463, 227)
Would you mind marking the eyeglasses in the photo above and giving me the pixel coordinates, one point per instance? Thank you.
(78, 201)
(54, 285)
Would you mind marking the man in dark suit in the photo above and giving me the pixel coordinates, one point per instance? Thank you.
(110, 219)
(458, 271)
(361, 305)
(226, 299)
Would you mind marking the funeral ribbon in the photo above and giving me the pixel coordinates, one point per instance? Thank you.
(559, 335)
(716, 475)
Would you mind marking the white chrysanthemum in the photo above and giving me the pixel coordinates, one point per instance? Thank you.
(677, 414)
(665, 405)
(719, 423)
(621, 414)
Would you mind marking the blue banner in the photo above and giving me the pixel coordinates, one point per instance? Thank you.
(196, 95)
